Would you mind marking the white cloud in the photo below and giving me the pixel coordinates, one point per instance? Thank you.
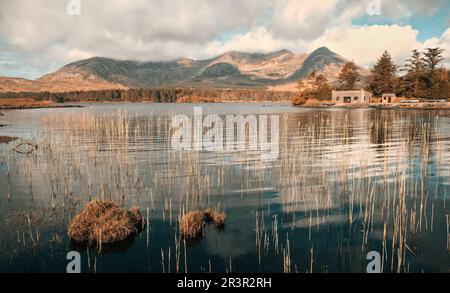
(302, 19)
(45, 37)
(40, 30)
(258, 40)
(366, 44)
(442, 42)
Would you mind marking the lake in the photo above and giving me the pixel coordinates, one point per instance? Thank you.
(345, 182)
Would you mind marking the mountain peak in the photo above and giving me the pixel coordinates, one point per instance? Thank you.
(321, 60)
(322, 51)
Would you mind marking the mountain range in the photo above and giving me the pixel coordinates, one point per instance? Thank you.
(230, 70)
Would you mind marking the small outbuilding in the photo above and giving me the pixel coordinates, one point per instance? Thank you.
(388, 98)
(351, 97)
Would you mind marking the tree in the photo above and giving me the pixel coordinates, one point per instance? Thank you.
(432, 58)
(413, 83)
(348, 76)
(441, 85)
(319, 82)
(322, 88)
(300, 85)
(314, 87)
(382, 75)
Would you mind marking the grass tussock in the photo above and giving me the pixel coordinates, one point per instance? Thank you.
(191, 223)
(104, 222)
(215, 216)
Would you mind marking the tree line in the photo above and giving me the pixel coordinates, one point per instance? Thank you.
(421, 77)
(157, 95)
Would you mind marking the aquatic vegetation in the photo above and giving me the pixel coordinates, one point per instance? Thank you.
(215, 216)
(191, 223)
(103, 222)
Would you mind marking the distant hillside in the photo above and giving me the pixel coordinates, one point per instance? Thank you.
(230, 70)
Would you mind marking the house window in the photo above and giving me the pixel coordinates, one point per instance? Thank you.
(347, 99)
(356, 99)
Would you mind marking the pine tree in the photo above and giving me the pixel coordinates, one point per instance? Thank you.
(413, 83)
(432, 58)
(383, 75)
(348, 76)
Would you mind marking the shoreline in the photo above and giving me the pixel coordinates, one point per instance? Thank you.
(82, 104)
(39, 107)
(28, 107)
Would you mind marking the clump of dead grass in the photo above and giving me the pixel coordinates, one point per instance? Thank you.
(191, 223)
(215, 216)
(104, 222)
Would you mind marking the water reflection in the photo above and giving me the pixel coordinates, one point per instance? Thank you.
(346, 182)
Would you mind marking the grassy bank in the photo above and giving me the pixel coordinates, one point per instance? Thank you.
(29, 103)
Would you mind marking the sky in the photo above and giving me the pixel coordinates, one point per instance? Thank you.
(39, 36)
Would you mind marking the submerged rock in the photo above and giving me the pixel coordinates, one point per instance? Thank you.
(104, 222)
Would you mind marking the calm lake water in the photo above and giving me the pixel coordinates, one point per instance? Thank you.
(346, 182)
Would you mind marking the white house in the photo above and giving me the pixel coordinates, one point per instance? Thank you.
(351, 97)
(388, 98)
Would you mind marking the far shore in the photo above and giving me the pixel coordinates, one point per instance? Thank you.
(22, 104)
